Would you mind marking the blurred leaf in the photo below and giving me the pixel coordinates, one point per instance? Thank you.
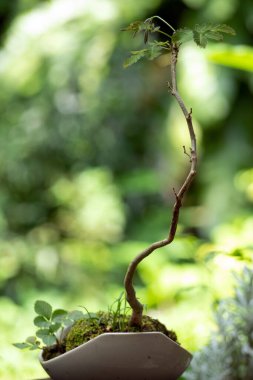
(136, 55)
(239, 57)
(223, 28)
(40, 321)
(182, 35)
(203, 32)
(200, 38)
(46, 336)
(31, 339)
(75, 315)
(43, 308)
(138, 26)
(140, 181)
(21, 346)
(214, 36)
(54, 327)
(153, 50)
(59, 315)
(42, 332)
(134, 27)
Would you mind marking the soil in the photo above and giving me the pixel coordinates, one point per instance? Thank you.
(86, 329)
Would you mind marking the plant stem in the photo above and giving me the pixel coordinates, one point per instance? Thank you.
(137, 307)
(165, 34)
(160, 18)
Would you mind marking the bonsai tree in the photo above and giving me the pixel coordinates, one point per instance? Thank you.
(200, 34)
(59, 330)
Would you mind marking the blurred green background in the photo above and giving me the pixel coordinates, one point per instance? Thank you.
(90, 153)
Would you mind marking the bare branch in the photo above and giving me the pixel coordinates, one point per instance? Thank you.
(137, 307)
(175, 193)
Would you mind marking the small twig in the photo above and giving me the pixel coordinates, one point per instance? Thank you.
(160, 18)
(170, 86)
(187, 154)
(175, 193)
(162, 32)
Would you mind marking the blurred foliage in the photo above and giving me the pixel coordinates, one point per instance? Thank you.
(90, 153)
(229, 353)
(10, 9)
(240, 57)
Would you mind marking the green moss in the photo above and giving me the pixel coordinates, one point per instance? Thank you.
(86, 329)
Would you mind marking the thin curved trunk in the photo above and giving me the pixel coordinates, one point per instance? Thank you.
(137, 307)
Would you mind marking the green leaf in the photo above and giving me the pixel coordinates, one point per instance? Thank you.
(49, 340)
(31, 339)
(182, 35)
(202, 28)
(31, 342)
(135, 57)
(223, 28)
(21, 346)
(202, 33)
(42, 332)
(40, 321)
(34, 347)
(154, 52)
(59, 315)
(46, 337)
(200, 39)
(139, 26)
(155, 49)
(75, 315)
(134, 27)
(54, 327)
(67, 322)
(43, 308)
(214, 36)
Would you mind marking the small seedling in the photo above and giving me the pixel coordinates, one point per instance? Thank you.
(201, 34)
(51, 324)
(118, 312)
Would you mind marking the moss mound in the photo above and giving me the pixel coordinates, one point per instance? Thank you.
(86, 329)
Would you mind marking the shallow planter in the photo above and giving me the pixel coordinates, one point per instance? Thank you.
(121, 356)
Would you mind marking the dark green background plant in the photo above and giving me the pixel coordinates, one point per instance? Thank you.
(229, 353)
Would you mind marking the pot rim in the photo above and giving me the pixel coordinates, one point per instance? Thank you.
(54, 360)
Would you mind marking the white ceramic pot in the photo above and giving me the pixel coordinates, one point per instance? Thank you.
(121, 356)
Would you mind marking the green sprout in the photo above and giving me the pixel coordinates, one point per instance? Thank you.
(51, 324)
(201, 34)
